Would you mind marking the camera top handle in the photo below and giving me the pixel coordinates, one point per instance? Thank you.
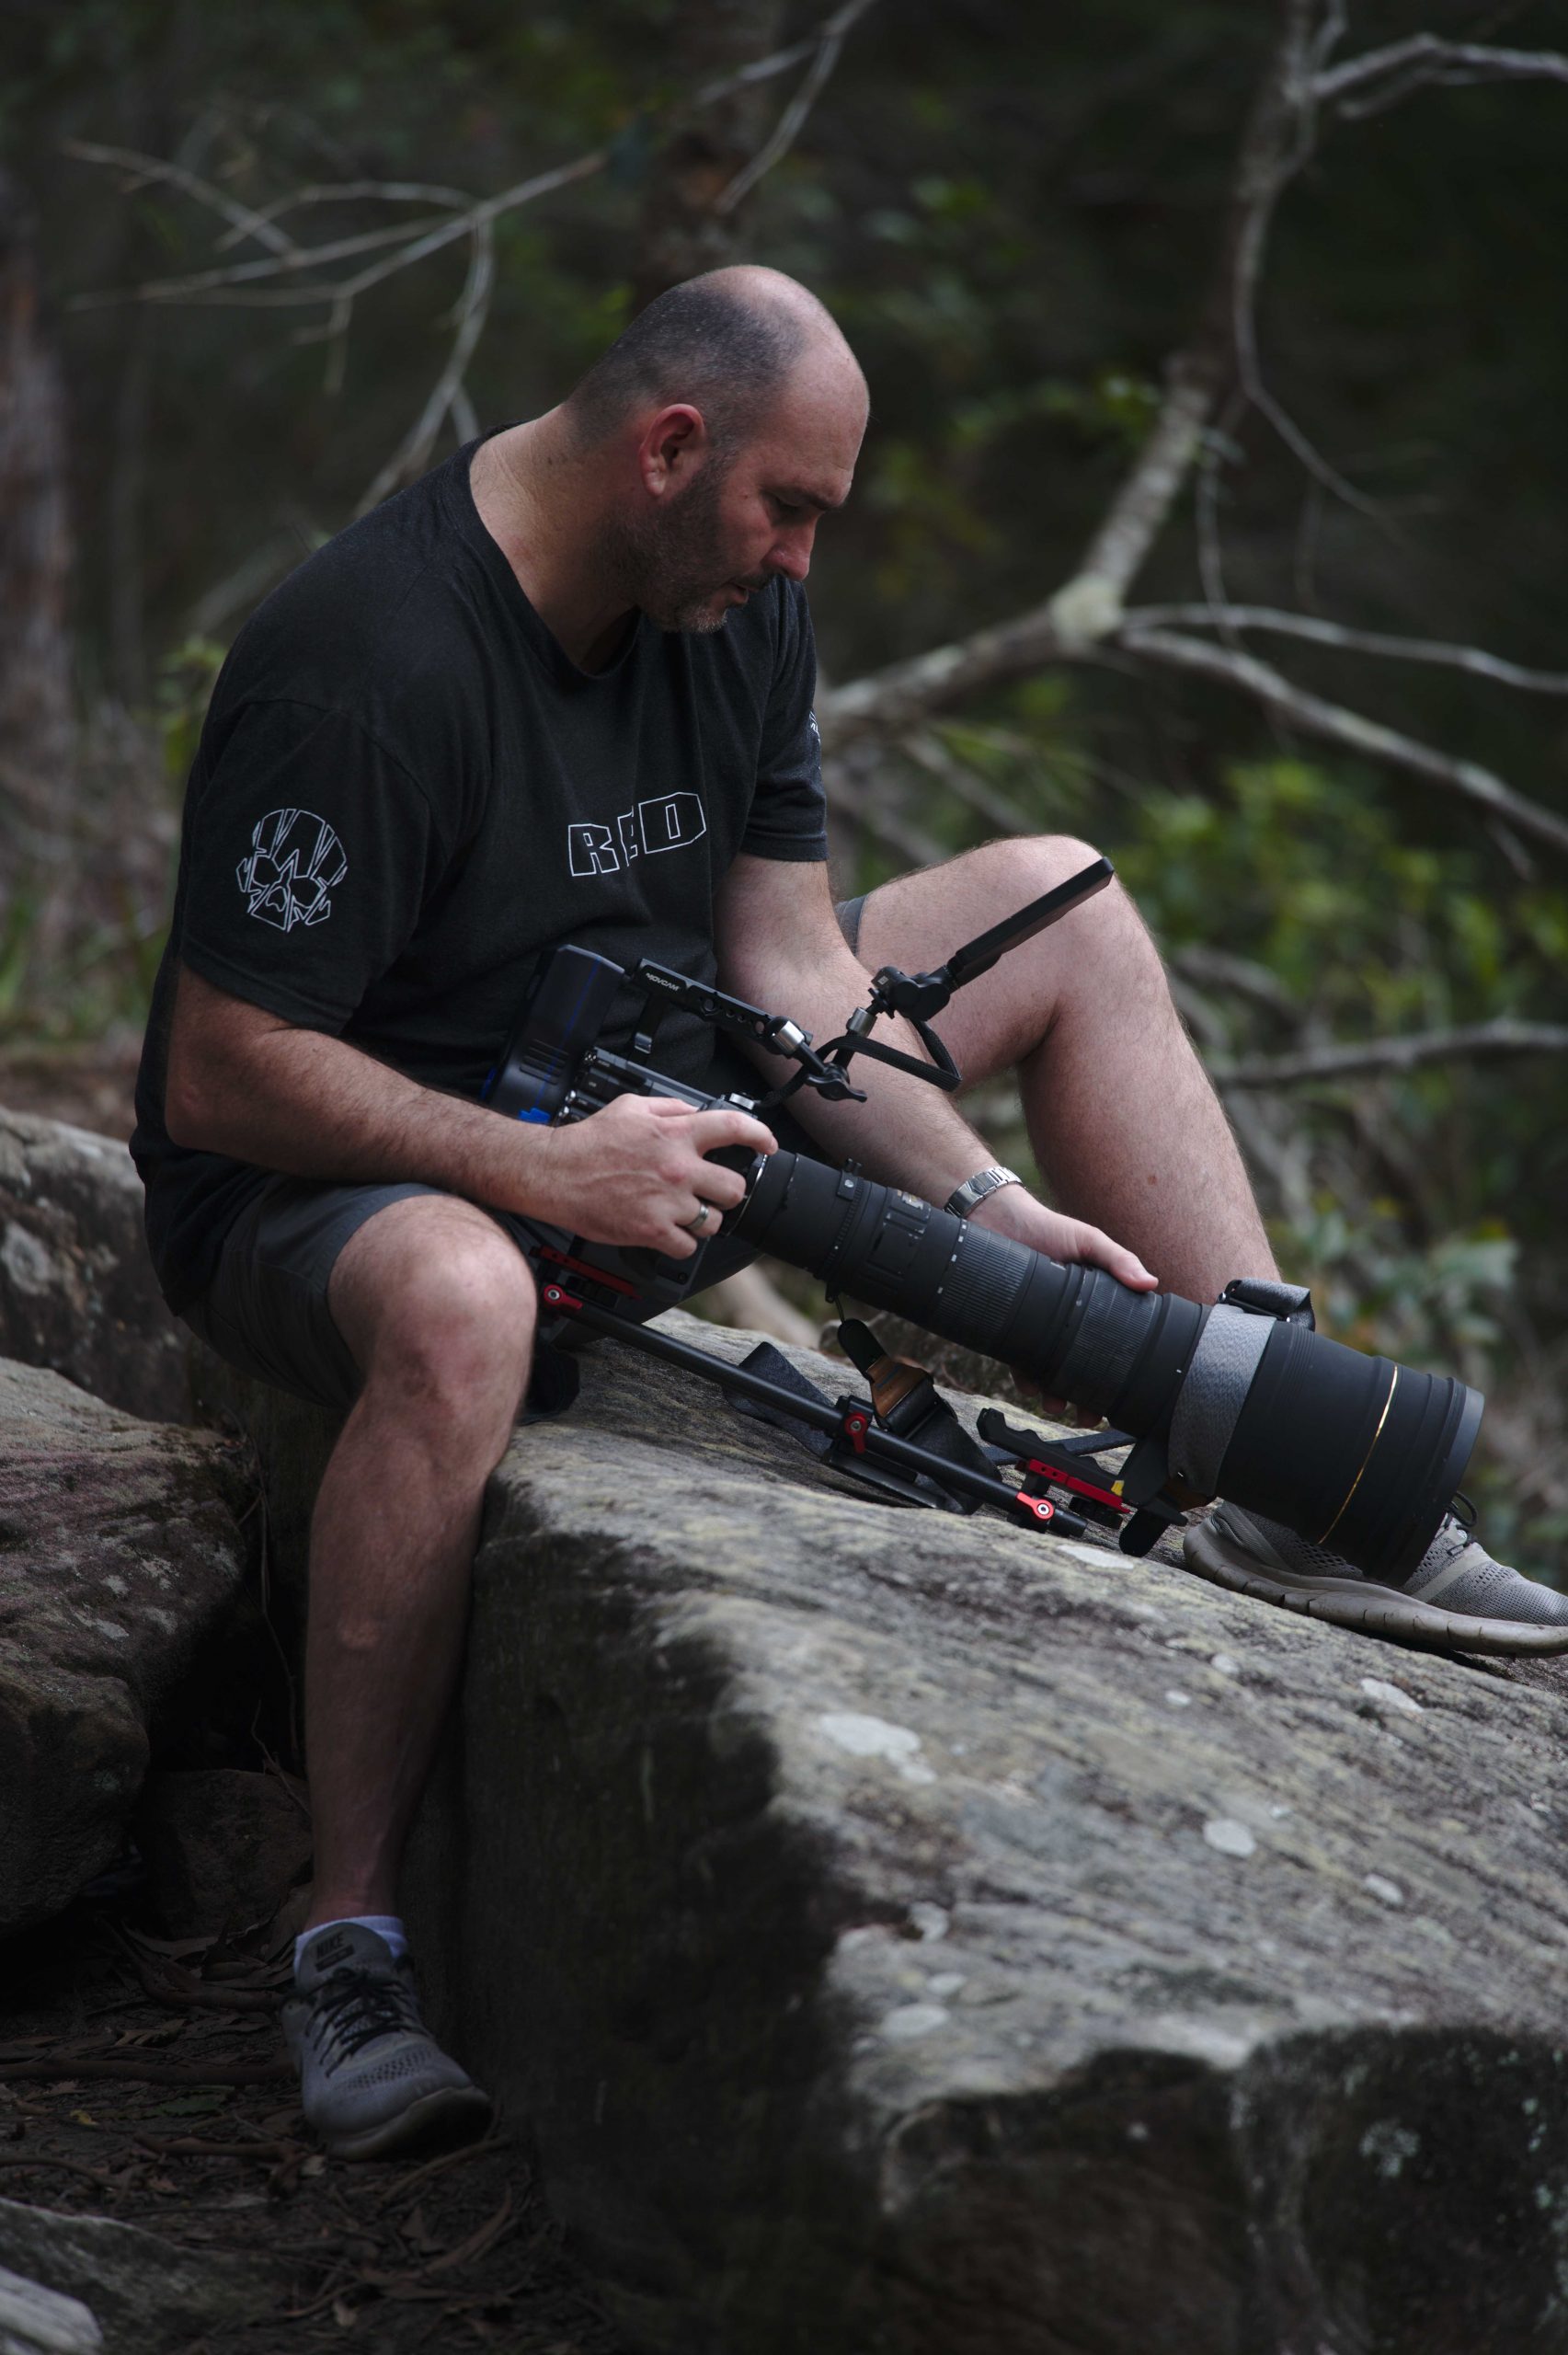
(919, 996)
(978, 957)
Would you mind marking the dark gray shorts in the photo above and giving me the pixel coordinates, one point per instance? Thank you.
(266, 1309)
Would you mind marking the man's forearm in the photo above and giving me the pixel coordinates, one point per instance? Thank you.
(311, 1106)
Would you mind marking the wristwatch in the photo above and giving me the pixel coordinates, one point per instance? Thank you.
(973, 1191)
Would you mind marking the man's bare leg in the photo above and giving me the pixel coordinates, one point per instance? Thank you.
(437, 1306)
(1124, 1123)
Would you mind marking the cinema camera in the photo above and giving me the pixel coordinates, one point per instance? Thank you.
(1239, 1398)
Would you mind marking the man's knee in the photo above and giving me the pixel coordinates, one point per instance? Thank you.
(1032, 864)
(438, 1308)
(1025, 866)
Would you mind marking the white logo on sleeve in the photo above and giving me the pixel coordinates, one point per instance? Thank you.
(668, 822)
(295, 862)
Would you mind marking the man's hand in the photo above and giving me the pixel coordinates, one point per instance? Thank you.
(1013, 1211)
(635, 1173)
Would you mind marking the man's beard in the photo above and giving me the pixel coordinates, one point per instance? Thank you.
(669, 563)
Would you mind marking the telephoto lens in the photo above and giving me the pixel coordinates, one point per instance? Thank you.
(1346, 1449)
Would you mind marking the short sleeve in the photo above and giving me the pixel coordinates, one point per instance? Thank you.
(311, 854)
(789, 813)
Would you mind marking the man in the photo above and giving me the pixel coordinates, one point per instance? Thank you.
(562, 689)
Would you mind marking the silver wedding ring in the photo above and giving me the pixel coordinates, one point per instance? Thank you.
(695, 1226)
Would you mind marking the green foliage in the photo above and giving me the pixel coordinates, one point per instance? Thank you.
(1310, 871)
(1435, 1307)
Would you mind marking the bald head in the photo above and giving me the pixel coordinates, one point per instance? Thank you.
(730, 343)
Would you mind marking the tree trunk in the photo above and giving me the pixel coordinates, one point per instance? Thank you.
(35, 730)
(681, 232)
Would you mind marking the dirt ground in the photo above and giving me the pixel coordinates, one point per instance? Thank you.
(147, 2081)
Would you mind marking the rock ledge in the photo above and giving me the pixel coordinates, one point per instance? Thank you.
(903, 1934)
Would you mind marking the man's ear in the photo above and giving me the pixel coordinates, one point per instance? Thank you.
(673, 445)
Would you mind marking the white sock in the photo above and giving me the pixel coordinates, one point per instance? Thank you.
(387, 1927)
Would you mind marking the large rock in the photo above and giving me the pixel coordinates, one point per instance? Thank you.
(149, 2294)
(905, 1935)
(35, 2320)
(289, 1443)
(126, 1606)
(77, 1291)
(222, 1847)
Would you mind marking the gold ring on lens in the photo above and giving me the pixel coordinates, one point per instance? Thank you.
(1377, 1435)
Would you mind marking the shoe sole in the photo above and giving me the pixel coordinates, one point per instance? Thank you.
(441, 2120)
(1368, 1610)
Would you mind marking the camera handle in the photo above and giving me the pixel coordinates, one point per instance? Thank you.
(920, 996)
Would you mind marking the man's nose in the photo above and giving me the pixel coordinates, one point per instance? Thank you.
(791, 553)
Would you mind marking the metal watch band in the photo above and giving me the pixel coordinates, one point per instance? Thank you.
(973, 1191)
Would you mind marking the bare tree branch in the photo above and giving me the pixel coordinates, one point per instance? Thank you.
(412, 242)
(889, 701)
(472, 310)
(1221, 969)
(699, 146)
(1273, 619)
(1336, 724)
(1504, 1036)
(1427, 58)
(1089, 607)
(1403, 65)
(242, 220)
(1197, 375)
(928, 751)
(1089, 604)
(829, 41)
(348, 192)
(1219, 445)
(212, 286)
(1300, 97)
(760, 69)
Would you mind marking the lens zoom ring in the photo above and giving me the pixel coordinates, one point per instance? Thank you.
(980, 1288)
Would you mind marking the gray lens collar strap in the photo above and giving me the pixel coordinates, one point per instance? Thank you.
(1210, 1399)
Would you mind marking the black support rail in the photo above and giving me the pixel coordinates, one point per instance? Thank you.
(850, 1420)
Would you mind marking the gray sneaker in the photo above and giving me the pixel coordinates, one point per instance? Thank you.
(1457, 1599)
(374, 2081)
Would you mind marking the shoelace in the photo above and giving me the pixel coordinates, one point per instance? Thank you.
(353, 2007)
(1456, 1530)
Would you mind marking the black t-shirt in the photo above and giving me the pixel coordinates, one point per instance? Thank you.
(405, 790)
